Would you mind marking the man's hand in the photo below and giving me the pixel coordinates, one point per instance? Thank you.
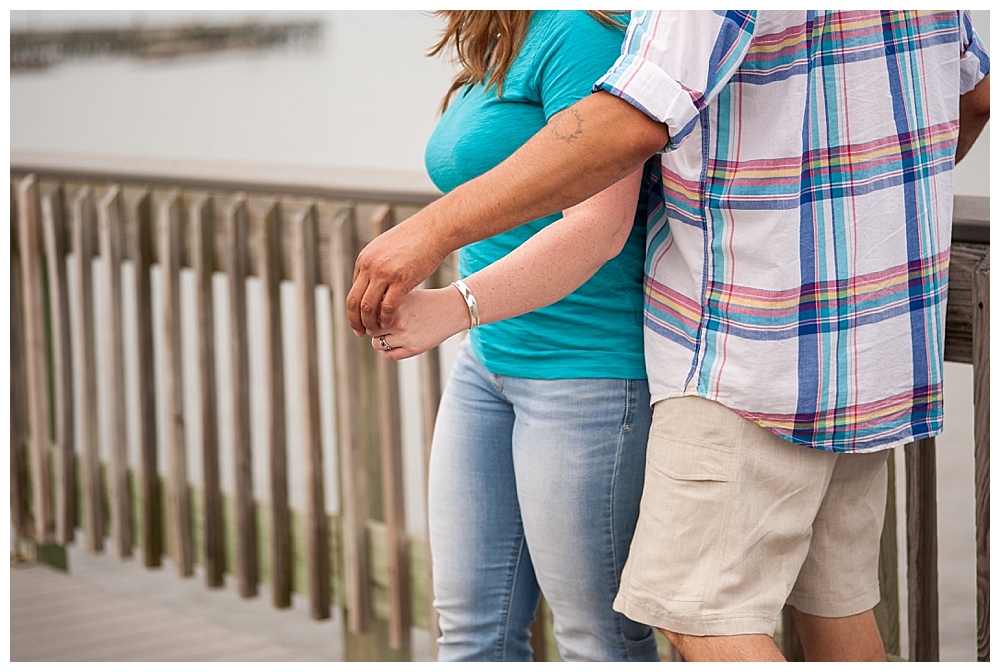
(386, 270)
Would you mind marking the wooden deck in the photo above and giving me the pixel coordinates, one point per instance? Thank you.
(106, 610)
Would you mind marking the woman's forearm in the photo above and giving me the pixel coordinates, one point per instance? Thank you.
(551, 264)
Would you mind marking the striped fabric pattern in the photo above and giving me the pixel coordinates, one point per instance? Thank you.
(799, 234)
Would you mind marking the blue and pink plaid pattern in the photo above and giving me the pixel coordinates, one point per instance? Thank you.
(798, 242)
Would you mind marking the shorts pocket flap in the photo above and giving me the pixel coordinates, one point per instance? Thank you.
(687, 460)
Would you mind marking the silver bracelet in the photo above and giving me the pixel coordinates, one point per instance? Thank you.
(470, 301)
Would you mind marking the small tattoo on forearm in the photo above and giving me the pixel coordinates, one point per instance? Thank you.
(567, 125)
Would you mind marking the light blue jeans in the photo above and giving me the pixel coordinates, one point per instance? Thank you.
(535, 486)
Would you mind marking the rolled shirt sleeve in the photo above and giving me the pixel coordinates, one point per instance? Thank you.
(674, 63)
(975, 61)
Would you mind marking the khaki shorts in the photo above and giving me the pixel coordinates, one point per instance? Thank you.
(735, 523)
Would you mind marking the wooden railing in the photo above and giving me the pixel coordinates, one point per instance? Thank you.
(298, 227)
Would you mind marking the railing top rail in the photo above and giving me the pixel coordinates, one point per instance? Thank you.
(971, 214)
(359, 184)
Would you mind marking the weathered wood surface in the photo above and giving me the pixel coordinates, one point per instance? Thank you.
(53, 222)
(59, 617)
(430, 396)
(887, 610)
(266, 226)
(981, 401)
(201, 221)
(317, 523)
(29, 236)
(237, 223)
(140, 248)
(922, 550)
(20, 507)
(111, 224)
(353, 491)
(791, 645)
(179, 498)
(84, 217)
(393, 504)
(958, 323)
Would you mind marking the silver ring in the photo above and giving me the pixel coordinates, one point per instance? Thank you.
(385, 346)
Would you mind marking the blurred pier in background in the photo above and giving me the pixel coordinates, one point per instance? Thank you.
(43, 48)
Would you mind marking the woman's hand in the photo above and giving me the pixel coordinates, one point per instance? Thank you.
(424, 320)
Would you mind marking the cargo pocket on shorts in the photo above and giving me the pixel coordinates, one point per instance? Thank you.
(693, 482)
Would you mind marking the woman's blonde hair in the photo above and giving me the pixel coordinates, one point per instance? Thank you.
(488, 41)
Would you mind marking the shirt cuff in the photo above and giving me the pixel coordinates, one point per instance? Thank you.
(645, 86)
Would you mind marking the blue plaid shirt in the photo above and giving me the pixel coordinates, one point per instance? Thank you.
(798, 243)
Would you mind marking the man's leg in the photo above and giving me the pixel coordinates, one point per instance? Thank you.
(851, 638)
(727, 648)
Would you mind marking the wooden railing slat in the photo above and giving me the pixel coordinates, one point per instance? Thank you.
(179, 500)
(268, 231)
(110, 222)
(430, 397)
(29, 226)
(151, 499)
(922, 550)
(84, 215)
(393, 503)
(20, 507)
(981, 401)
(317, 525)
(62, 363)
(887, 610)
(202, 234)
(354, 508)
(237, 223)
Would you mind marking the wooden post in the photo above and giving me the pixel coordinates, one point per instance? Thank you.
(791, 645)
(20, 507)
(887, 610)
(36, 358)
(430, 396)
(317, 526)
(354, 509)
(62, 363)
(111, 223)
(179, 498)
(151, 502)
(84, 233)
(268, 223)
(237, 224)
(922, 550)
(393, 504)
(981, 400)
(202, 231)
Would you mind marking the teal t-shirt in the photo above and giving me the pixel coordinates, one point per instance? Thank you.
(595, 332)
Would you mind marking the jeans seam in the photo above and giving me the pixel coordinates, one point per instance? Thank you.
(614, 484)
(510, 599)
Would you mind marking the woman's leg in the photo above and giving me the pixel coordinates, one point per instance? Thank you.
(484, 585)
(579, 456)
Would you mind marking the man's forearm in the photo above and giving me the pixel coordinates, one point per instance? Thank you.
(581, 151)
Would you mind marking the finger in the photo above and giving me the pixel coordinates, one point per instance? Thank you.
(390, 303)
(370, 304)
(353, 305)
(382, 344)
